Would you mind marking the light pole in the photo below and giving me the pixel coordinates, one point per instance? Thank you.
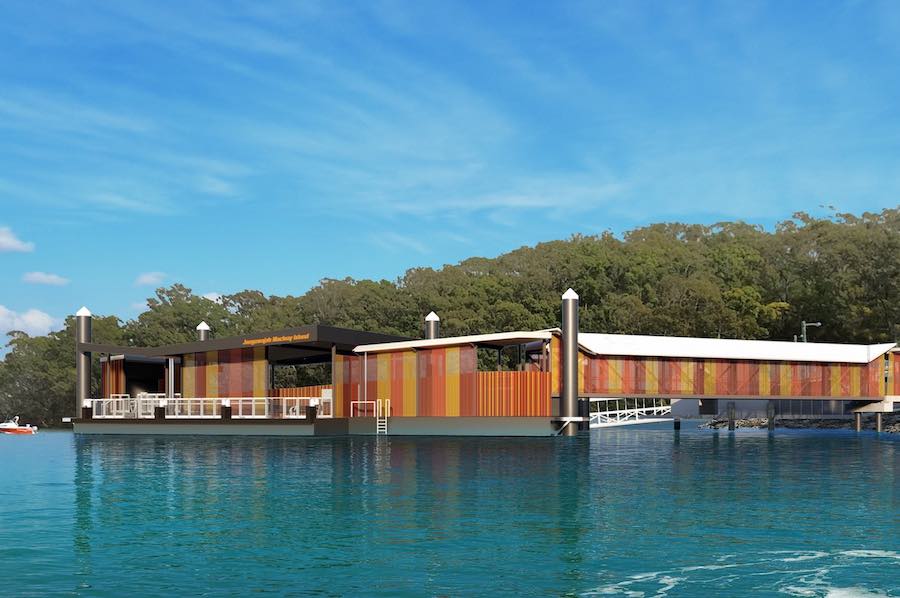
(804, 325)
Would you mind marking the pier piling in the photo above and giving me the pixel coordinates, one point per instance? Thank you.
(676, 424)
(770, 415)
(568, 406)
(83, 334)
(857, 422)
(730, 409)
(878, 423)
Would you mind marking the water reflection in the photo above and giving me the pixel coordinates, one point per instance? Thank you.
(460, 515)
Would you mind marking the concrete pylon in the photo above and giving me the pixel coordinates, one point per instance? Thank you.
(83, 334)
(568, 405)
(432, 326)
(203, 331)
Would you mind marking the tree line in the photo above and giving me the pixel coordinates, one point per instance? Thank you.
(727, 280)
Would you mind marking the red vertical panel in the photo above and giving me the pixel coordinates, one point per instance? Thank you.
(353, 382)
(603, 366)
(722, 371)
(774, 378)
(825, 382)
(468, 367)
(246, 372)
(223, 376)
(371, 381)
(627, 375)
(440, 406)
(698, 378)
(396, 381)
(236, 362)
(423, 386)
(895, 358)
(807, 372)
(753, 378)
(201, 364)
(845, 380)
(796, 380)
(664, 375)
(640, 376)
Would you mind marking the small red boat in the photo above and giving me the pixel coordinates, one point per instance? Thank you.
(12, 427)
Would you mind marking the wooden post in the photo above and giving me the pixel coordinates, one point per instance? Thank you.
(770, 414)
(730, 409)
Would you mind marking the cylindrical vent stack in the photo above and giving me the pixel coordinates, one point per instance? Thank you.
(83, 334)
(568, 407)
(432, 326)
(203, 331)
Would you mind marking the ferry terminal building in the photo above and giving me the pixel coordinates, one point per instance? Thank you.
(524, 383)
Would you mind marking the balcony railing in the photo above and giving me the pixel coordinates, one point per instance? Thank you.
(143, 406)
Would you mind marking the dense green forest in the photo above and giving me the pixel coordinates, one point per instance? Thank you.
(729, 280)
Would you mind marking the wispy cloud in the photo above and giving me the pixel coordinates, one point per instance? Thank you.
(119, 202)
(9, 242)
(45, 278)
(149, 279)
(399, 243)
(33, 322)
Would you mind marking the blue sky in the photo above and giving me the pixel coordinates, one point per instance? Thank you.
(268, 145)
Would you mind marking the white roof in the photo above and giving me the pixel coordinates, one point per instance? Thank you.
(499, 338)
(83, 312)
(716, 348)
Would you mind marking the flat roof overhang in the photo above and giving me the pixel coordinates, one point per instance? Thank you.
(312, 337)
(496, 340)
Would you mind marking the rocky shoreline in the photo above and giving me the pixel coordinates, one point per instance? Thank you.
(891, 423)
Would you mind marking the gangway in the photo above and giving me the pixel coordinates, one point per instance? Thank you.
(613, 412)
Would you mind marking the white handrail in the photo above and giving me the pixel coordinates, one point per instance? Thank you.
(143, 406)
(357, 404)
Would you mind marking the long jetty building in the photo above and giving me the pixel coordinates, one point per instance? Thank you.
(524, 383)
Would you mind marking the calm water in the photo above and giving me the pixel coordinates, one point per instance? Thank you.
(636, 513)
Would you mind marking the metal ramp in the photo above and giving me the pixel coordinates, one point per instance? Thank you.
(615, 412)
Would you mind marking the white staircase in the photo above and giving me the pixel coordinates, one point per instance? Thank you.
(382, 413)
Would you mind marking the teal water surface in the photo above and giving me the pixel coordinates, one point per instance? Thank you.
(632, 512)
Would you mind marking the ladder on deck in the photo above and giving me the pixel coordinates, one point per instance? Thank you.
(382, 413)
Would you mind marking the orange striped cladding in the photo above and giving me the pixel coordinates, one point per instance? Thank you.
(226, 373)
(112, 378)
(652, 376)
(513, 394)
(895, 373)
(312, 391)
(347, 372)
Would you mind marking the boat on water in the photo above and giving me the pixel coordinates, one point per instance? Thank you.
(13, 427)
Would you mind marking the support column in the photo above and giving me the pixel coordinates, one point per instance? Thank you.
(770, 415)
(857, 421)
(203, 331)
(170, 377)
(730, 409)
(568, 406)
(432, 326)
(878, 422)
(83, 334)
